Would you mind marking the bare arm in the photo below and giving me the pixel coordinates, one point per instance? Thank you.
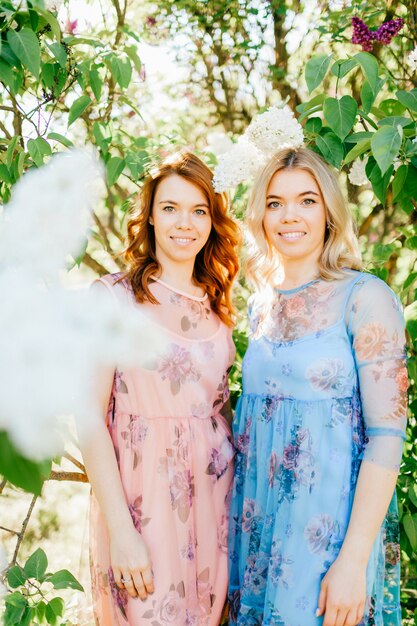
(128, 553)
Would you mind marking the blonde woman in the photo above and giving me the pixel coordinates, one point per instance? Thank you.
(320, 425)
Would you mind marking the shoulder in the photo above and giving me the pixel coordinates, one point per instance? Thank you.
(372, 291)
(117, 284)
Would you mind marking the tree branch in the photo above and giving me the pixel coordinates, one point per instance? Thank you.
(21, 534)
(71, 476)
(97, 267)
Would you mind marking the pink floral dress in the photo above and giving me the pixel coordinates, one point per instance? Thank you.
(175, 459)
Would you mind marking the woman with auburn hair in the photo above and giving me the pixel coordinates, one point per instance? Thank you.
(161, 462)
(313, 536)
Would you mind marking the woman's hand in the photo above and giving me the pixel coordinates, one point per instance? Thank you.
(343, 593)
(131, 564)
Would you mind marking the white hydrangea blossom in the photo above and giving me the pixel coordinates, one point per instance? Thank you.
(54, 341)
(357, 174)
(237, 165)
(412, 60)
(274, 130)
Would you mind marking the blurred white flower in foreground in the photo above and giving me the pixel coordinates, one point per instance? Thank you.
(412, 60)
(53, 341)
(275, 130)
(49, 213)
(237, 165)
(357, 174)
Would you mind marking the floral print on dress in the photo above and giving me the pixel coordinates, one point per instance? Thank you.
(120, 596)
(135, 510)
(119, 384)
(324, 389)
(195, 311)
(181, 488)
(170, 610)
(178, 367)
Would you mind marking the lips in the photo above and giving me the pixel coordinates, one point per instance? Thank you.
(292, 235)
(183, 241)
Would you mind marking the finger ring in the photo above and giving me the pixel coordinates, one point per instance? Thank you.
(126, 580)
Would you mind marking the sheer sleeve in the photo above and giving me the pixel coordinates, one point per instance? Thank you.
(376, 327)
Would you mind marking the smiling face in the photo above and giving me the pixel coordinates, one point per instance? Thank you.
(181, 219)
(295, 216)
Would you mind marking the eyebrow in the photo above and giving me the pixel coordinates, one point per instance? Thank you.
(176, 203)
(304, 193)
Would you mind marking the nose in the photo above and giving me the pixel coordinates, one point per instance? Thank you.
(183, 220)
(290, 212)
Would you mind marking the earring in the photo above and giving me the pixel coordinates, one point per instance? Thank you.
(150, 221)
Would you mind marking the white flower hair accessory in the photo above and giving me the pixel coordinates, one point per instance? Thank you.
(269, 132)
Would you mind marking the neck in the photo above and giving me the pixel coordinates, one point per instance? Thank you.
(179, 276)
(296, 272)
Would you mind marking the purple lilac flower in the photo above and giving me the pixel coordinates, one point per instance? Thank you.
(388, 30)
(361, 34)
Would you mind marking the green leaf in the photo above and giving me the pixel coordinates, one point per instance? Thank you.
(379, 182)
(367, 96)
(369, 66)
(16, 605)
(25, 45)
(131, 51)
(96, 84)
(7, 75)
(410, 527)
(385, 145)
(311, 104)
(383, 251)
(40, 611)
(411, 278)
(360, 148)
(59, 53)
(114, 167)
(341, 68)
(61, 139)
(52, 21)
(16, 577)
(5, 174)
(20, 471)
(77, 108)
(38, 149)
(399, 180)
(331, 148)
(412, 491)
(390, 106)
(121, 70)
(408, 99)
(64, 580)
(35, 566)
(395, 120)
(54, 610)
(11, 149)
(340, 114)
(313, 125)
(356, 137)
(316, 70)
(411, 243)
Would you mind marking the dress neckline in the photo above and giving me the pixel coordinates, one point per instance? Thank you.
(299, 288)
(180, 292)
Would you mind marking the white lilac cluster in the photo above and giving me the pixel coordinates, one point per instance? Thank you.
(412, 60)
(274, 130)
(54, 340)
(267, 133)
(357, 174)
(237, 165)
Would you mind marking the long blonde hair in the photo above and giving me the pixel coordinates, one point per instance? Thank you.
(341, 247)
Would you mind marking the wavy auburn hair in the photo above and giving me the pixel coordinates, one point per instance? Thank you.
(341, 247)
(216, 265)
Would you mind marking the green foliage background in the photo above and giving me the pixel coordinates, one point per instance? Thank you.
(59, 87)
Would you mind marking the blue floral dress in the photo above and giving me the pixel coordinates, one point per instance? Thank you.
(324, 389)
